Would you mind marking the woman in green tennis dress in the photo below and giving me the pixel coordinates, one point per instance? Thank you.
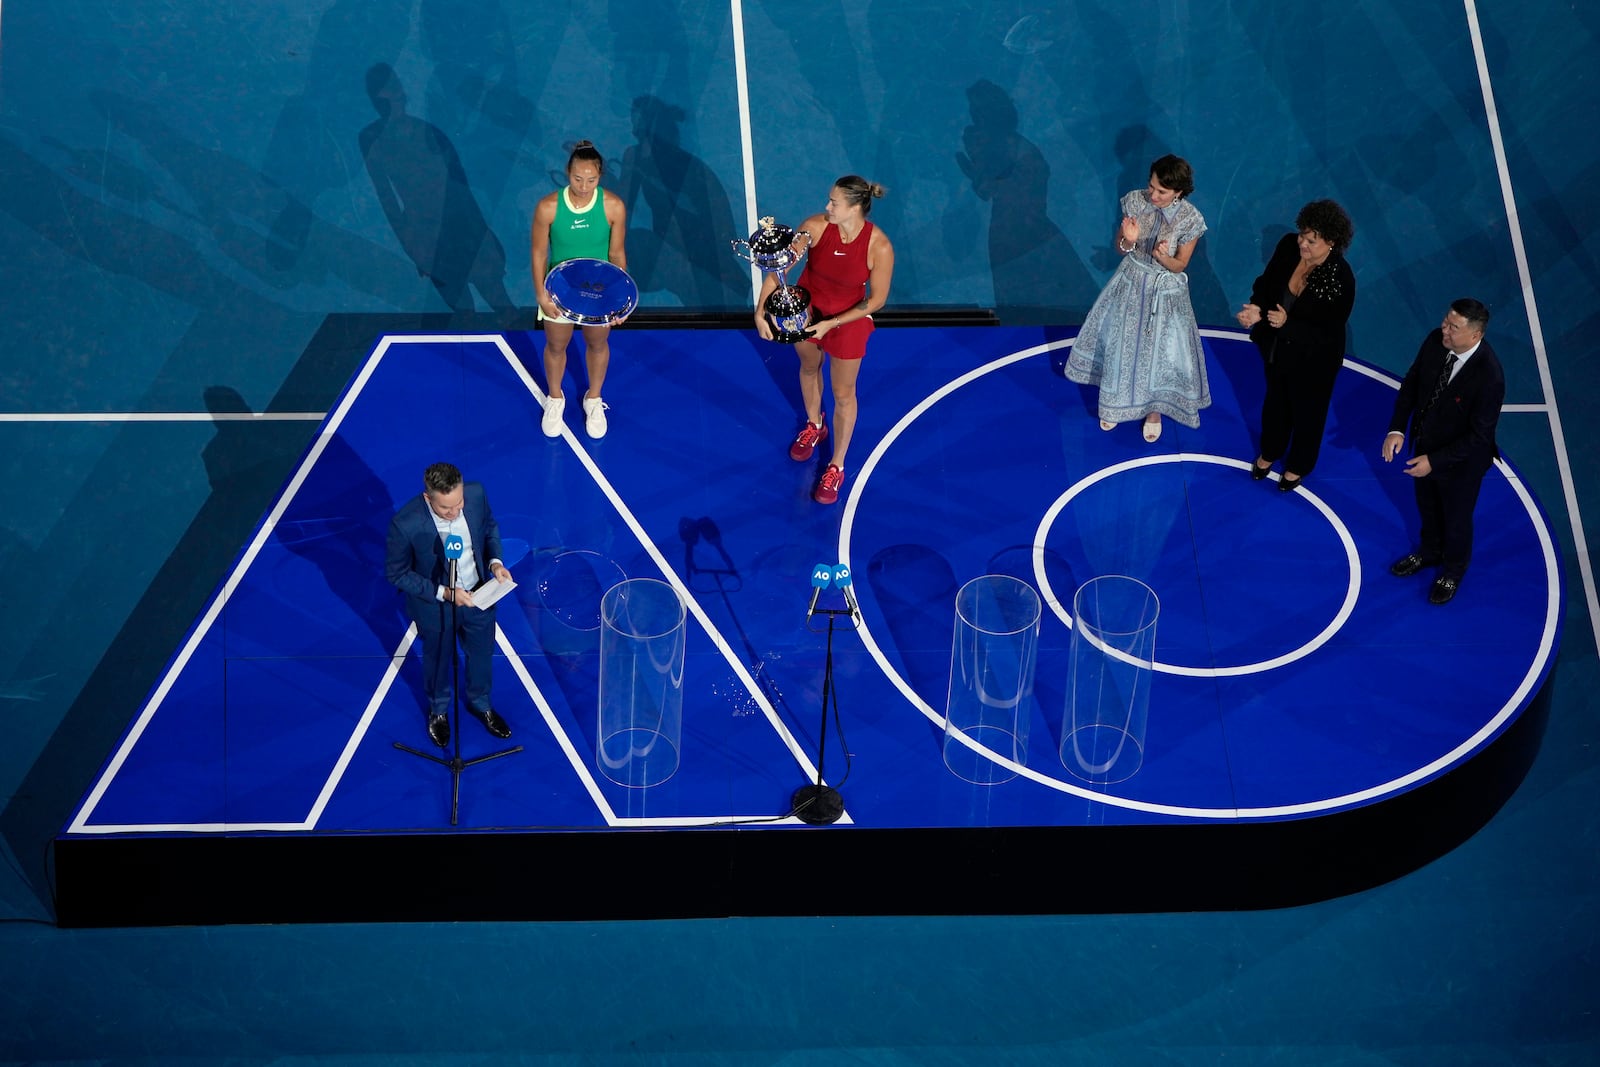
(581, 221)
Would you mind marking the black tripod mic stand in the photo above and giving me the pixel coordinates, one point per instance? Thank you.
(817, 804)
(455, 763)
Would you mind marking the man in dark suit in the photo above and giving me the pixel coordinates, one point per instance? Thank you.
(416, 565)
(1451, 399)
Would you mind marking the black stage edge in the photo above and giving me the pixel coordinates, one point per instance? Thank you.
(709, 873)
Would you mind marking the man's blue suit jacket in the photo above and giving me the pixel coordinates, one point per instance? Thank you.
(415, 560)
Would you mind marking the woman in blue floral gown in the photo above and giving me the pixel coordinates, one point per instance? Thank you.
(1139, 343)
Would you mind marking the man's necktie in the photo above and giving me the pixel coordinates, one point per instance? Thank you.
(1441, 385)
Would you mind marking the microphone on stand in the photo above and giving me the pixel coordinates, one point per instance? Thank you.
(842, 580)
(817, 804)
(454, 547)
(821, 575)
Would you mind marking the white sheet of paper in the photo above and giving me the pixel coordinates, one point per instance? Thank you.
(489, 592)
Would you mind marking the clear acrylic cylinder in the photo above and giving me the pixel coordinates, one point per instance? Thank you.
(1112, 666)
(992, 658)
(642, 637)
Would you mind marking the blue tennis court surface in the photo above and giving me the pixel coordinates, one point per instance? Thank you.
(1294, 676)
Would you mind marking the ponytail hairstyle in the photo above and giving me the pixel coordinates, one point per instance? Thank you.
(858, 191)
(585, 151)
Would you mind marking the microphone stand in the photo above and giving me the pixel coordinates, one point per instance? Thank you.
(817, 804)
(455, 763)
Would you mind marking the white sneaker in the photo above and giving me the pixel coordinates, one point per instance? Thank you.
(551, 423)
(594, 416)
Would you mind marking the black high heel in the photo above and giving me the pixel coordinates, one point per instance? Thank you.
(1287, 486)
(1258, 472)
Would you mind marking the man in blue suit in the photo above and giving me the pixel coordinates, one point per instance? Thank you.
(416, 565)
(1451, 399)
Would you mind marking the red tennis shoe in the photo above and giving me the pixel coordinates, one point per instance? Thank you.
(805, 442)
(827, 491)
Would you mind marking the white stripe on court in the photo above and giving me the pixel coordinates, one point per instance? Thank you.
(548, 714)
(746, 145)
(1541, 357)
(80, 822)
(1502, 716)
(671, 576)
(214, 610)
(369, 713)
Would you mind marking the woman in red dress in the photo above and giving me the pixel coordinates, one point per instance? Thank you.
(848, 271)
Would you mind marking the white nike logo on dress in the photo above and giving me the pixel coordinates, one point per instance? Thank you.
(840, 252)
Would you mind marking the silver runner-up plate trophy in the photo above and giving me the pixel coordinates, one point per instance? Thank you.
(774, 250)
(591, 292)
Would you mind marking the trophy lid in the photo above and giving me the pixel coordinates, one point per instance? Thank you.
(771, 237)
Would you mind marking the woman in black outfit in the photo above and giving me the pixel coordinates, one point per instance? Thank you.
(1296, 316)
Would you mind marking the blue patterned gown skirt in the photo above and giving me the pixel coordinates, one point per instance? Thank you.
(1141, 346)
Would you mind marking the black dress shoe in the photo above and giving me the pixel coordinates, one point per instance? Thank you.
(439, 729)
(1258, 472)
(1406, 566)
(1288, 485)
(1444, 589)
(492, 722)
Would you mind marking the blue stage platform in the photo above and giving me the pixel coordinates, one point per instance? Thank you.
(1315, 725)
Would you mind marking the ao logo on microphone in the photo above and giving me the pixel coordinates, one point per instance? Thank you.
(454, 546)
(836, 575)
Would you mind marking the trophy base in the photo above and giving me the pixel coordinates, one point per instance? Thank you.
(788, 337)
(788, 311)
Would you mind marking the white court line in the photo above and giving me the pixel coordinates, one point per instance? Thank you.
(1541, 357)
(580, 764)
(548, 714)
(310, 821)
(747, 150)
(721, 643)
(1465, 748)
(1341, 531)
(329, 785)
(214, 611)
(368, 714)
(80, 822)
